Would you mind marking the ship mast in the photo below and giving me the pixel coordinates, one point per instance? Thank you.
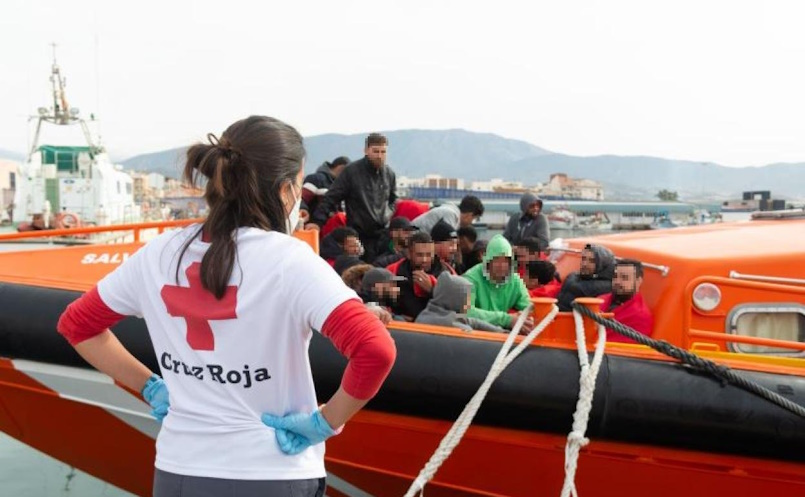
(60, 113)
(61, 109)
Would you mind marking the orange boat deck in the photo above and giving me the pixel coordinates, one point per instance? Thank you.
(689, 256)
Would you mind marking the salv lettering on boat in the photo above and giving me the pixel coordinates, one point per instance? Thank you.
(105, 258)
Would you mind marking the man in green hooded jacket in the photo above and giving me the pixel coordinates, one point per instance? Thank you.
(497, 288)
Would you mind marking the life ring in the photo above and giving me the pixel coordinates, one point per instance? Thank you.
(67, 220)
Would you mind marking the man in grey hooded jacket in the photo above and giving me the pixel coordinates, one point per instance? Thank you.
(531, 222)
(451, 299)
(594, 277)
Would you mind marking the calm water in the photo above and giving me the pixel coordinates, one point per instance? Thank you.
(25, 472)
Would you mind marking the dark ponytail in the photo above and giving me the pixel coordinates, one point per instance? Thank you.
(244, 171)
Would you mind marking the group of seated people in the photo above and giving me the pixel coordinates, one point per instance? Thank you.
(430, 267)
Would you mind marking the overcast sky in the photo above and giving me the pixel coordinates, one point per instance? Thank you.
(707, 80)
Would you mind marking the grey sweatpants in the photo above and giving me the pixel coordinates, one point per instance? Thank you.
(173, 485)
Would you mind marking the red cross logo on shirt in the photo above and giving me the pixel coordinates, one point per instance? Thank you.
(198, 307)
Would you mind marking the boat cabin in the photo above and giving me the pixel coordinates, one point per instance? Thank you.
(737, 287)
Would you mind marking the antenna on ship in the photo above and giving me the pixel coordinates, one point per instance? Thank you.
(61, 108)
(61, 113)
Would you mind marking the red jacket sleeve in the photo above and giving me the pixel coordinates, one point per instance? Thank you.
(86, 317)
(362, 339)
(420, 292)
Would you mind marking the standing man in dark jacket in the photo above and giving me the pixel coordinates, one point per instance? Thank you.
(369, 188)
(317, 184)
(530, 223)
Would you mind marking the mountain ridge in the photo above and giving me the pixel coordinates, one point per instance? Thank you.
(483, 156)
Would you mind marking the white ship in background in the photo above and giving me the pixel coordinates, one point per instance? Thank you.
(66, 186)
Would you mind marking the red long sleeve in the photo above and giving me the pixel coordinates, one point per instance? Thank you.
(362, 339)
(86, 317)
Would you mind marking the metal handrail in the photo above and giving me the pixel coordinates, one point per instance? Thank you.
(766, 279)
(664, 270)
(71, 232)
(748, 340)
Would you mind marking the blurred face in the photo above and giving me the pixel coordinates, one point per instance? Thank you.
(499, 268)
(387, 290)
(625, 283)
(467, 304)
(447, 250)
(529, 256)
(376, 154)
(352, 246)
(587, 262)
(422, 256)
(534, 209)
(400, 238)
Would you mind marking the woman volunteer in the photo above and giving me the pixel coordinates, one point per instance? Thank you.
(229, 305)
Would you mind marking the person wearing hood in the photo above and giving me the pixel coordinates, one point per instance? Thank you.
(316, 185)
(452, 298)
(342, 241)
(594, 277)
(531, 222)
(497, 288)
(379, 286)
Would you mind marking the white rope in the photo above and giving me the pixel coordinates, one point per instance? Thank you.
(576, 439)
(453, 437)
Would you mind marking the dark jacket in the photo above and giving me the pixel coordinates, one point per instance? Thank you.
(525, 226)
(330, 249)
(316, 186)
(369, 194)
(412, 299)
(599, 283)
(388, 259)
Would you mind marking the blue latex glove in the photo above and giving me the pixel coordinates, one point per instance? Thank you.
(155, 392)
(297, 432)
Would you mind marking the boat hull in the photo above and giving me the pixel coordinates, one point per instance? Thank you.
(651, 420)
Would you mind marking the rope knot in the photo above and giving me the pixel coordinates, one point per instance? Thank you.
(578, 438)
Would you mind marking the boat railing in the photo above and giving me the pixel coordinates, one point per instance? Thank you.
(760, 341)
(137, 230)
(664, 270)
(766, 279)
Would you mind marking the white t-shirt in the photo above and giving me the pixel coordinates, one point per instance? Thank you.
(232, 359)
